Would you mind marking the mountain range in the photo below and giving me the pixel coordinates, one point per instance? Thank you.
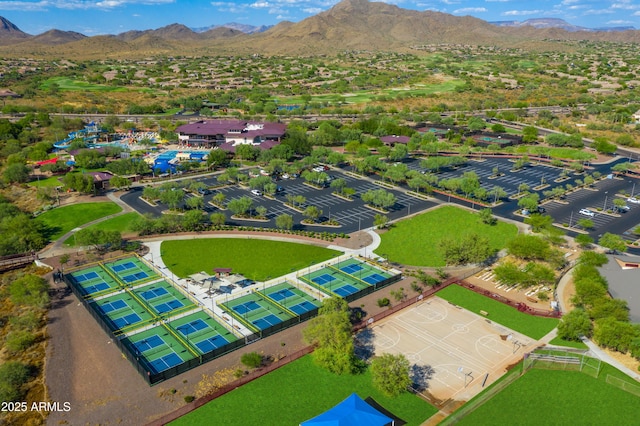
(349, 25)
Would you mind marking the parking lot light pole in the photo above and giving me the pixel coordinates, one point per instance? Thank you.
(633, 189)
(604, 208)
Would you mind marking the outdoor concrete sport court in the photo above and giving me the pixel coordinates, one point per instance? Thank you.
(460, 347)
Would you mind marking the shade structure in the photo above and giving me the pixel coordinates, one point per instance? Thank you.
(353, 411)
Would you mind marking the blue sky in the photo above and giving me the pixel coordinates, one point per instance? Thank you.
(116, 16)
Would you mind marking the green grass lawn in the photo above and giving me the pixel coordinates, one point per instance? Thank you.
(52, 181)
(534, 327)
(253, 258)
(426, 230)
(119, 223)
(297, 392)
(560, 398)
(569, 343)
(61, 220)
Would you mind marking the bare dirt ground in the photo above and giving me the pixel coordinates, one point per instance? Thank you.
(85, 369)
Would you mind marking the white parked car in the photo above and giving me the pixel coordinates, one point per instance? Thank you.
(256, 192)
(587, 212)
(285, 176)
(633, 200)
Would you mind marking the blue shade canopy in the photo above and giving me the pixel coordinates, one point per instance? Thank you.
(353, 411)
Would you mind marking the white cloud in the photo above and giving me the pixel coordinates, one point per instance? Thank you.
(260, 5)
(470, 10)
(312, 10)
(619, 22)
(30, 6)
(597, 11)
(625, 5)
(521, 12)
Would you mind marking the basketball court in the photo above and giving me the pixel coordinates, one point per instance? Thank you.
(460, 350)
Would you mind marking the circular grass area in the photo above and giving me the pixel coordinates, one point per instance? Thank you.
(255, 259)
(415, 241)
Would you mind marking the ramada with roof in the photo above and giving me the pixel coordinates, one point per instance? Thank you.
(227, 134)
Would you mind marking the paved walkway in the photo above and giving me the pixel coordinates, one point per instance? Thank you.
(58, 248)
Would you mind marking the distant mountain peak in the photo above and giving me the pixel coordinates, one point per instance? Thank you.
(245, 28)
(542, 23)
(8, 30)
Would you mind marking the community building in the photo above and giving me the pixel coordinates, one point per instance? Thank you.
(218, 133)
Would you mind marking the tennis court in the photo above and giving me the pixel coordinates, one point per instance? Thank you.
(158, 349)
(93, 281)
(202, 332)
(131, 270)
(333, 281)
(122, 311)
(362, 271)
(162, 297)
(292, 298)
(256, 311)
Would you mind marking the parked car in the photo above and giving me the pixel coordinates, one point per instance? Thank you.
(285, 176)
(587, 212)
(633, 200)
(623, 209)
(256, 192)
(279, 189)
(541, 209)
(318, 169)
(203, 191)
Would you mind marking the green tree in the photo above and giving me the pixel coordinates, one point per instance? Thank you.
(574, 325)
(30, 290)
(390, 374)
(312, 213)
(539, 222)
(240, 206)
(284, 221)
(172, 198)
(585, 223)
(330, 333)
(486, 216)
(472, 248)
(528, 247)
(380, 221)
(613, 242)
(16, 173)
(251, 359)
(218, 219)
(13, 375)
(584, 241)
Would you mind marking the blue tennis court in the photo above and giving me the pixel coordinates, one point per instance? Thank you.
(345, 290)
(123, 266)
(350, 269)
(153, 293)
(134, 277)
(148, 343)
(323, 279)
(113, 306)
(86, 277)
(192, 327)
(126, 320)
(374, 279)
(281, 294)
(246, 307)
(266, 322)
(211, 343)
(96, 288)
(168, 306)
(166, 362)
(303, 307)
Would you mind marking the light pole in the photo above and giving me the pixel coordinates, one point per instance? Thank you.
(604, 208)
(633, 189)
(571, 219)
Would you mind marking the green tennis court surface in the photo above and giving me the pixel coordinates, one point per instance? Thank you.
(94, 281)
(158, 349)
(131, 270)
(256, 312)
(346, 277)
(122, 311)
(292, 298)
(163, 298)
(202, 332)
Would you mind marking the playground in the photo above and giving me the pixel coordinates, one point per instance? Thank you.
(462, 351)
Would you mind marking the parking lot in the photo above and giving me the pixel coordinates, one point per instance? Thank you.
(353, 215)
